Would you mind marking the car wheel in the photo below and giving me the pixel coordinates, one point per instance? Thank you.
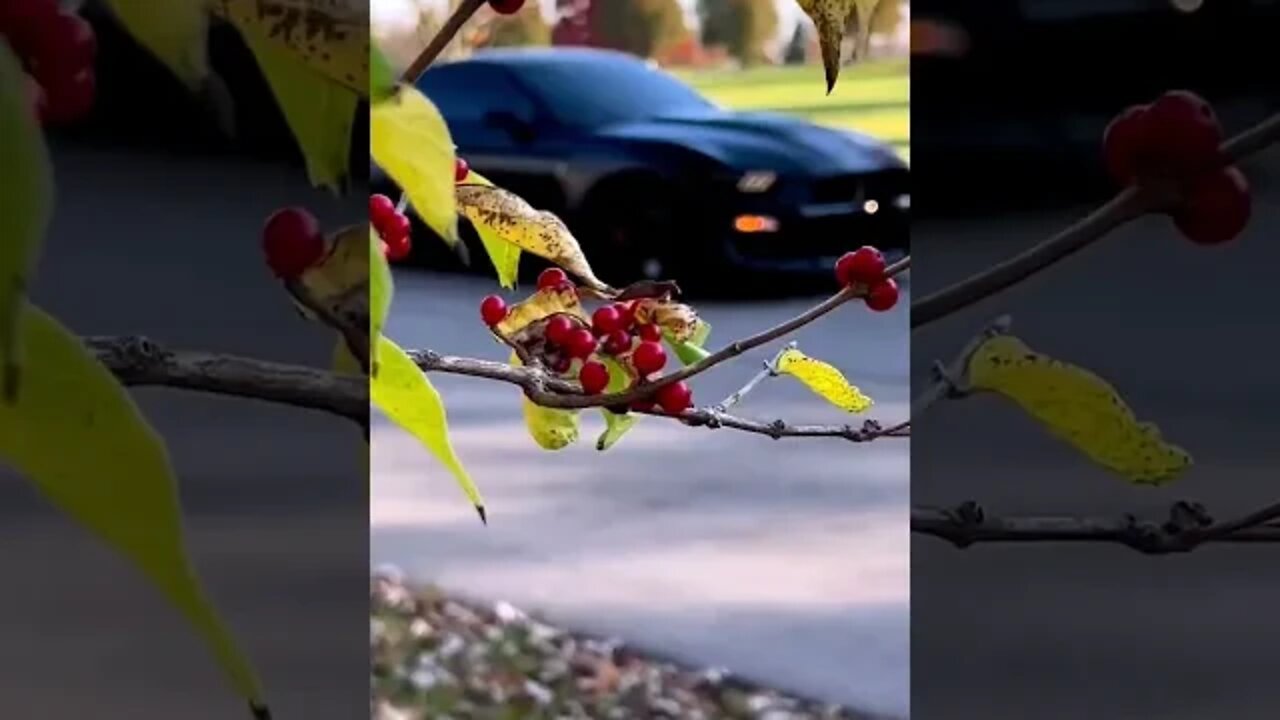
(631, 229)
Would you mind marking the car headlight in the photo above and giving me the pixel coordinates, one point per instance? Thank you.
(757, 181)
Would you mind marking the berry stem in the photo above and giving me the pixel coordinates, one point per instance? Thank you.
(1128, 205)
(770, 370)
(441, 40)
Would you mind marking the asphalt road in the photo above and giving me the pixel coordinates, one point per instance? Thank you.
(275, 496)
(784, 561)
(1055, 631)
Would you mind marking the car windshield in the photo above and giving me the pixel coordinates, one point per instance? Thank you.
(600, 92)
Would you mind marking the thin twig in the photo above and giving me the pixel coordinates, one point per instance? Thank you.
(769, 370)
(138, 361)
(777, 429)
(1187, 528)
(947, 378)
(1128, 205)
(441, 40)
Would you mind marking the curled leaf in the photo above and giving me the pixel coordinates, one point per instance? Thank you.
(409, 140)
(77, 435)
(1078, 407)
(336, 291)
(823, 379)
(616, 424)
(175, 31)
(832, 18)
(329, 38)
(504, 256)
(402, 391)
(26, 203)
(679, 322)
(551, 428)
(538, 306)
(536, 232)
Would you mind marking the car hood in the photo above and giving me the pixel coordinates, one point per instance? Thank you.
(765, 141)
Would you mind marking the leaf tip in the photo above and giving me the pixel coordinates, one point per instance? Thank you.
(260, 710)
(484, 516)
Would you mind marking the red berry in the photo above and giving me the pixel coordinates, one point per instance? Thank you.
(675, 398)
(626, 314)
(493, 310)
(594, 377)
(644, 405)
(64, 46)
(1183, 134)
(560, 364)
(552, 278)
(864, 266)
(558, 329)
(69, 97)
(650, 332)
(460, 170)
(25, 24)
(396, 226)
(605, 320)
(617, 342)
(1125, 145)
(1216, 207)
(506, 7)
(398, 247)
(381, 208)
(580, 343)
(292, 241)
(649, 357)
(883, 295)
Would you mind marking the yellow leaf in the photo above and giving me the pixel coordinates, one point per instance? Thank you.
(410, 141)
(504, 256)
(1077, 407)
(337, 292)
(402, 391)
(329, 37)
(536, 232)
(320, 112)
(539, 305)
(77, 435)
(551, 428)
(26, 201)
(832, 18)
(175, 31)
(824, 380)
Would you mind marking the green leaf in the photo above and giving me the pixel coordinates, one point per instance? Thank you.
(175, 31)
(402, 391)
(319, 111)
(504, 256)
(381, 286)
(382, 80)
(26, 202)
(409, 140)
(76, 434)
(616, 424)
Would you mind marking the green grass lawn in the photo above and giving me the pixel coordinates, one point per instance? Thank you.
(873, 98)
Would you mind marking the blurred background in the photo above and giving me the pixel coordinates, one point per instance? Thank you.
(785, 563)
(1009, 103)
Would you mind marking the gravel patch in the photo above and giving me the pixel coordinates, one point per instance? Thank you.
(445, 658)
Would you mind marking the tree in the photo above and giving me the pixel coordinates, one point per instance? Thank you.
(886, 18)
(797, 52)
(526, 27)
(641, 27)
(744, 27)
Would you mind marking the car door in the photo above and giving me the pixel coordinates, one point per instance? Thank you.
(498, 129)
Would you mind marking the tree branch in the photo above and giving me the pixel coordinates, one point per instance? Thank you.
(1188, 527)
(1129, 204)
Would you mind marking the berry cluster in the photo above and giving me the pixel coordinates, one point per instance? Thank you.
(866, 267)
(392, 227)
(1177, 139)
(57, 48)
(613, 331)
(292, 241)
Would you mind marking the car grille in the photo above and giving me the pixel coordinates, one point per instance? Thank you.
(883, 185)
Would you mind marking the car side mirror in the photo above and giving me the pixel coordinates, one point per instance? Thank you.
(520, 129)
